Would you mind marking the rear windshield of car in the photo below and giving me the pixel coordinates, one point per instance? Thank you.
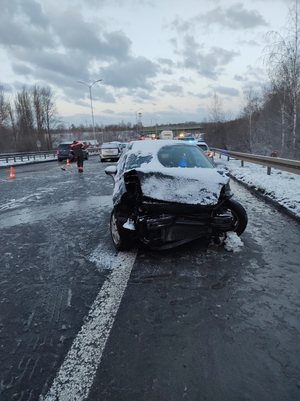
(109, 146)
(64, 146)
(202, 146)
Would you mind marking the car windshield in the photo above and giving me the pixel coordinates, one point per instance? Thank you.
(186, 155)
(182, 156)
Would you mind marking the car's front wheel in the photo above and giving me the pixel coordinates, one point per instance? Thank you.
(239, 216)
(121, 237)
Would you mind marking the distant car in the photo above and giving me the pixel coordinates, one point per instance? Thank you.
(63, 152)
(186, 138)
(203, 146)
(122, 145)
(167, 193)
(110, 151)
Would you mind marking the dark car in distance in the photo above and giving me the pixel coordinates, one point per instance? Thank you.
(63, 152)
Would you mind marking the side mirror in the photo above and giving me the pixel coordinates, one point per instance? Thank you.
(111, 170)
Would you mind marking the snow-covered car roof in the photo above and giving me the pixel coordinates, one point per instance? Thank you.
(197, 182)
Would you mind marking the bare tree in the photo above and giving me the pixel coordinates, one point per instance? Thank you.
(25, 120)
(6, 141)
(38, 112)
(45, 114)
(283, 60)
(50, 114)
(279, 95)
(216, 116)
(251, 105)
(4, 109)
(215, 111)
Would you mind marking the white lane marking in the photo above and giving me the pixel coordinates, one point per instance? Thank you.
(78, 370)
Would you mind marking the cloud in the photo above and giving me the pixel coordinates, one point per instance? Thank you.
(88, 38)
(200, 95)
(251, 43)
(239, 78)
(108, 111)
(33, 11)
(227, 91)
(235, 17)
(207, 64)
(135, 72)
(179, 25)
(21, 69)
(23, 27)
(55, 67)
(174, 89)
(142, 95)
(169, 65)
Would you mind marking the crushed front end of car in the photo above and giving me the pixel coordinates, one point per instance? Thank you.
(164, 223)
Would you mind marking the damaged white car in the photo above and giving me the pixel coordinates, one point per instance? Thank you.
(167, 193)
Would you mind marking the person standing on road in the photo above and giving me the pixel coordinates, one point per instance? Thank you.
(77, 150)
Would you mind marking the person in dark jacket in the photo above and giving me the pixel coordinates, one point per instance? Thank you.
(76, 150)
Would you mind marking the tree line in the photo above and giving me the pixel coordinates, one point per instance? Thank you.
(28, 120)
(269, 119)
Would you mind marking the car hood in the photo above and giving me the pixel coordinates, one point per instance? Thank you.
(197, 186)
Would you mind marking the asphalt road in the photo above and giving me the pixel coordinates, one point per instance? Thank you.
(79, 321)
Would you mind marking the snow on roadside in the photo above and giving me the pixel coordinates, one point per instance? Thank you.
(280, 186)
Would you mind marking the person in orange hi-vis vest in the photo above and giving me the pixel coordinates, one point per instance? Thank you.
(76, 150)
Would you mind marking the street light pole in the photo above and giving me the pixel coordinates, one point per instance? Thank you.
(155, 125)
(102, 130)
(90, 88)
(137, 131)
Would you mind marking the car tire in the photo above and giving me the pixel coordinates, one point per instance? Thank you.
(239, 215)
(121, 237)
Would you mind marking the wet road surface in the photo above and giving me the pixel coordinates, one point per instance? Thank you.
(204, 324)
(195, 323)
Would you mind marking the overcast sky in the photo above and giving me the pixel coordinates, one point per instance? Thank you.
(164, 57)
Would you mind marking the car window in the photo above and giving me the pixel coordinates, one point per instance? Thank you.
(136, 160)
(183, 156)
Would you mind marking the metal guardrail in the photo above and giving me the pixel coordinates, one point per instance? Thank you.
(32, 157)
(27, 156)
(291, 166)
